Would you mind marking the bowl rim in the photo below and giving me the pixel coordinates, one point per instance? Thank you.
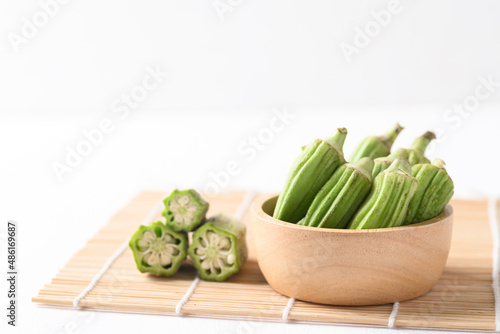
(257, 211)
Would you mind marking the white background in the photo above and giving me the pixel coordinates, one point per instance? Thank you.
(227, 77)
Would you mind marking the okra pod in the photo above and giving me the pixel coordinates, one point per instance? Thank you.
(341, 196)
(381, 164)
(435, 189)
(310, 171)
(388, 201)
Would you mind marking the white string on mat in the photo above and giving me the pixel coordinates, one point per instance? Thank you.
(493, 218)
(151, 216)
(394, 314)
(245, 203)
(287, 309)
(188, 294)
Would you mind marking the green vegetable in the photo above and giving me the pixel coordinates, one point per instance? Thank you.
(158, 249)
(381, 164)
(435, 189)
(340, 197)
(314, 166)
(376, 146)
(184, 210)
(388, 201)
(219, 248)
(417, 150)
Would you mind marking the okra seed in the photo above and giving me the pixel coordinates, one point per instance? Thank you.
(200, 251)
(184, 200)
(149, 236)
(153, 259)
(213, 238)
(150, 259)
(143, 244)
(165, 259)
(205, 265)
(231, 259)
(225, 243)
(167, 238)
(202, 242)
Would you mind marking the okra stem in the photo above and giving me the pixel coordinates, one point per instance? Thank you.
(389, 138)
(376, 146)
(420, 144)
(400, 164)
(364, 166)
(439, 163)
(337, 139)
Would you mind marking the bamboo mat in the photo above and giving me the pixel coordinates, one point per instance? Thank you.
(463, 299)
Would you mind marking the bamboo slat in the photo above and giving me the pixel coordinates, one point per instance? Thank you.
(462, 299)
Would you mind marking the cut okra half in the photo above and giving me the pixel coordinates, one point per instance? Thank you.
(158, 249)
(218, 249)
(185, 210)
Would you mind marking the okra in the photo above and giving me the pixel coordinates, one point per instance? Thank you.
(435, 189)
(219, 249)
(310, 171)
(341, 196)
(388, 201)
(184, 210)
(158, 249)
(417, 150)
(381, 164)
(376, 146)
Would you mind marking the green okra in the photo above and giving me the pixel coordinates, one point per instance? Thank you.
(219, 249)
(388, 201)
(417, 150)
(341, 196)
(381, 164)
(185, 210)
(435, 189)
(376, 146)
(158, 249)
(310, 171)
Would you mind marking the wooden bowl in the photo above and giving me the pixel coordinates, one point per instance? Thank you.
(350, 267)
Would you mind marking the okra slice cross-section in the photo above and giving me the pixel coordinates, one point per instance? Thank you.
(218, 249)
(158, 249)
(185, 210)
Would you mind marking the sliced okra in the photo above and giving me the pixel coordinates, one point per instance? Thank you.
(218, 249)
(158, 249)
(185, 210)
